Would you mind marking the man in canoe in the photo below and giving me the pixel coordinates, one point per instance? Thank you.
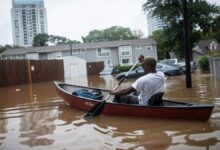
(147, 86)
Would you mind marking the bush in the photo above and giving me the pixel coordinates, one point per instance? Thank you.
(124, 68)
(204, 63)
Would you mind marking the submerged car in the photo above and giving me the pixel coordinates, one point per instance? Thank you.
(108, 70)
(168, 70)
(174, 62)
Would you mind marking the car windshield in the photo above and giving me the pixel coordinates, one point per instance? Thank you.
(170, 61)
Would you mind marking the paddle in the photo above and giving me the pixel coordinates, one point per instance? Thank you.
(97, 109)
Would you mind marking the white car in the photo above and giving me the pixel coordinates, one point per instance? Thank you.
(174, 62)
(107, 71)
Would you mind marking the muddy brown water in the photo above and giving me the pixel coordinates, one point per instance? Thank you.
(35, 117)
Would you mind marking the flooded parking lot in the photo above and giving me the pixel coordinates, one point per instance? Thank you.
(35, 117)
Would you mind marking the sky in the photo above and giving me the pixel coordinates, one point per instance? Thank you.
(75, 18)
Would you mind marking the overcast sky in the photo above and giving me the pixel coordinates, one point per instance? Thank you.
(75, 18)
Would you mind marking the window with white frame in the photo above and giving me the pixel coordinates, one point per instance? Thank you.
(75, 51)
(125, 50)
(83, 50)
(55, 55)
(138, 46)
(149, 47)
(19, 57)
(125, 61)
(213, 46)
(103, 52)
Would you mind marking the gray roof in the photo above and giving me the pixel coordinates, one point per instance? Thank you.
(204, 45)
(45, 49)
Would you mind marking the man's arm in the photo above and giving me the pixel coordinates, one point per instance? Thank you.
(123, 91)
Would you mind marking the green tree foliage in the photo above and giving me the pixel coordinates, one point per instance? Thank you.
(40, 39)
(161, 38)
(44, 39)
(60, 40)
(3, 48)
(216, 29)
(204, 63)
(201, 16)
(112, 34)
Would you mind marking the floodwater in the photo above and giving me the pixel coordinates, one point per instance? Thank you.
(35, 117)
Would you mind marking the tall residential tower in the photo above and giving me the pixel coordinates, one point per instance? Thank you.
(28, 19)
(154, 23)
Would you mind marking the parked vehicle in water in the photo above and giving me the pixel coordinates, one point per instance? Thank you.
(168, 70)
(174, 62)
(108, 70)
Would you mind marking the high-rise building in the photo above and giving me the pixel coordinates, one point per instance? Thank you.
(154, 23)
(28, 19)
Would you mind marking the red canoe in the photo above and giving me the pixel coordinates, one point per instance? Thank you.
(170, 110)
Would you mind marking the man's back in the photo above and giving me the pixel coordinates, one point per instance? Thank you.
(148, 85)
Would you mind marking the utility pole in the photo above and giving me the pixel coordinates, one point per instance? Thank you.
(71, 50)
(186, 45)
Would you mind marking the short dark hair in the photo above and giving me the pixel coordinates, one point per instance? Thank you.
(150, 61)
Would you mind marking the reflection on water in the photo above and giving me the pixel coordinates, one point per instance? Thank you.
(34, 117)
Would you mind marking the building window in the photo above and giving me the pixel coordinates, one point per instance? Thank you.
(149, 48)
(213, 46)
(82, 50)
(19, 57)
(138, 46)
(55, 55)
(126, 61)
(125, 53)
(103, 52)
(75, 51)
(125, 50)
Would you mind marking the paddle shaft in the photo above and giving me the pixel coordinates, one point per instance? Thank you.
(97, 109)
(122, 80)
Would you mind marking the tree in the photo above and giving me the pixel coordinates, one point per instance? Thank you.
(44, 39)
(201, 16)
(215, 29)
(40, 39)
(112, 34)
(60, 40)
(160, 37)
(3, 48)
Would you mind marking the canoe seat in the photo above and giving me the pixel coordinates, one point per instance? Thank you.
(156, 99)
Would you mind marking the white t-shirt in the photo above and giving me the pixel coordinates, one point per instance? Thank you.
(148, 85)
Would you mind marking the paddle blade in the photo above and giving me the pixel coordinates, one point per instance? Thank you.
(96, 110)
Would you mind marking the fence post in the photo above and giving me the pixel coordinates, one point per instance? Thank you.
(29, 72)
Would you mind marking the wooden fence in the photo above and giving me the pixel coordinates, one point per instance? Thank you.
(93, 68)
(14, 72)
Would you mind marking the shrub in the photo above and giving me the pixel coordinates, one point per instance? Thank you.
(124, 68)
(204, 63)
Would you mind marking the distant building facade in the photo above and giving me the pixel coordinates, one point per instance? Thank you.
(28, 19)
(154, 23)
(204, 47)
(124, 52)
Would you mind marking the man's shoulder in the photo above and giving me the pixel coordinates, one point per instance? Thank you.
(160, 73)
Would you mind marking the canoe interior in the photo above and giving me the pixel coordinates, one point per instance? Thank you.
(71, 88)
